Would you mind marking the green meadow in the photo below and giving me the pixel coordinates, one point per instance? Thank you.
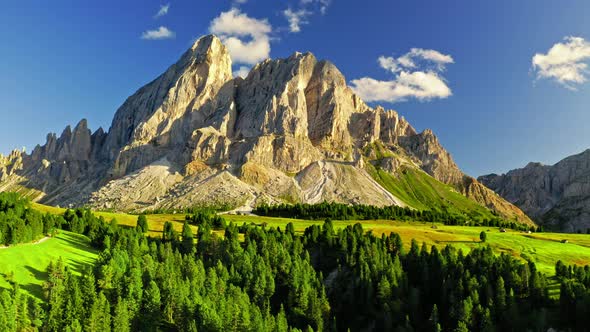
(545, 249)
(26, 264)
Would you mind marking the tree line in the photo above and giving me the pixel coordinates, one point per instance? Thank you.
(19, 223)
(338, 211)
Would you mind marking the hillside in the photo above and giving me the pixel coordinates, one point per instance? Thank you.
(291, 131)
(544, 249)
(26, 264)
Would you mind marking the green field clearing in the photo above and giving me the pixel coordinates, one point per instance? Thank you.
(29, 262)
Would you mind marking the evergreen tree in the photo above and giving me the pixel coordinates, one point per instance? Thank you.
(121, 320)
(142, 223)
(483, 236)
(188, 241)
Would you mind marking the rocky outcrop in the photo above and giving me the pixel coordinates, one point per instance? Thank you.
(556, 196)
(291, 131)
(478, 192)
(160, 118)
(433, 158)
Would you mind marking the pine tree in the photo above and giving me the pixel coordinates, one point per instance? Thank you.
(100, 315)
(483, 236)
(168, 234)
(142, 223)
(188, 242)
(121, 320)
(151, 307)
(434, 319)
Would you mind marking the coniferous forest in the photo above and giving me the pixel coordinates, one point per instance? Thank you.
(338, 211)
(265, 279)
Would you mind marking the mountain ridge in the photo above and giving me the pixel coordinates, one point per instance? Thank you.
(557, 196)
(291, 131)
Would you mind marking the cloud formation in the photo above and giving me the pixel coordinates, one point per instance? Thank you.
(415, 58)
(565, 62)
(161, 33)
(242, 72)
(296, 18)
(247, 39)
(417, 75)
(306, 8)
(163, 10)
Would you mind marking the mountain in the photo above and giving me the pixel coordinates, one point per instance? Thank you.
(291, 131)
(557, 196)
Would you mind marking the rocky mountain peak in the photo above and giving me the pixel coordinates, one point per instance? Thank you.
(163, 114)
(292, 130)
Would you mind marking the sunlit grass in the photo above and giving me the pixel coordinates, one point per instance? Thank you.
(545, 249)
(27, 263)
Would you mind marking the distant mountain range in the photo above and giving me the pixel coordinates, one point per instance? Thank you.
(291, 131)
(556, 196)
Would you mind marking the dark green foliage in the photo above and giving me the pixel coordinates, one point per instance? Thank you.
(575, 295)
(142, 223)
(20, 224)
(188, 242)
(169, 234)
(483, 236)
(339, 211)
(324, 280)
(208, 218)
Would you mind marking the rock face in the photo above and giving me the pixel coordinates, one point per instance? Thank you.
(292, 131)
(557, 196)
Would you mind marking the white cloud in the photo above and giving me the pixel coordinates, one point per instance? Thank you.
(246, 38)
(296, 18)
(242, 72)
(420, 85)
(306, 8)
(410, 80)
(413, 58)
(564, 62)
(389, 63)
(160, 33)
(163, 10)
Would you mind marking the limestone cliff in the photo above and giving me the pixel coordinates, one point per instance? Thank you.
(556, 196)
(291, 131)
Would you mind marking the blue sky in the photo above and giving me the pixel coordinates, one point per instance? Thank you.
(71, 60)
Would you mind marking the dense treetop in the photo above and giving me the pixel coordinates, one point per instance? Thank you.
(266, 279)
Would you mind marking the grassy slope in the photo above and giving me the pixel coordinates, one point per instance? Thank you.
(28, 262)
(418, 189)
(421, 191)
